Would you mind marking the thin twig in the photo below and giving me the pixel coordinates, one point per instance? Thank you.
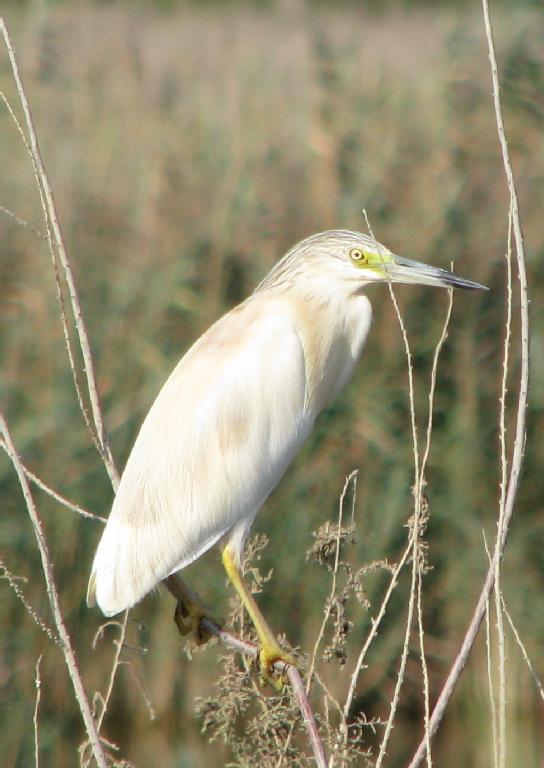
(139, 684)
(404, 652)
(414, 542)
(414, 536)
(421, 485)
(520, 433)
(392, 584)
(52, 593)
(372, 634)
(330, 602)
(116, 664)
(55, 495)
(38, 683)
(424, 668)
(56, 246)
(34, 615)
(416, 585)
(119, 644)
(519, 641)
(23, 223)
(297, 686)
(328, 605)
(61, 250)
(58, 284)
(491, 687)
(501, 762)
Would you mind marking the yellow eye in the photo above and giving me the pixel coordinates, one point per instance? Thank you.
(356, 254)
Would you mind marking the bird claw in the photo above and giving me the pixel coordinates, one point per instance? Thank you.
(188, 618)
(266, 659)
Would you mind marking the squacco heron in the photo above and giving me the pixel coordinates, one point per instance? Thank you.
(233, 414)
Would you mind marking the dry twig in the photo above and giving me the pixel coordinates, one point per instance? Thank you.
(58, 249)
(52, 593)
(520, 432)
(297, 686)
(55, 495)
(100, 438)
(38, 683)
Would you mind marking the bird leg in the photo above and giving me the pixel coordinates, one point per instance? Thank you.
(190, 610)
(270, 650)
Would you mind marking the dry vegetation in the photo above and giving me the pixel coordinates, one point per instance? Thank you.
(187, 151)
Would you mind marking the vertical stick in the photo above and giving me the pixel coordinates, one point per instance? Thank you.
(519, 442)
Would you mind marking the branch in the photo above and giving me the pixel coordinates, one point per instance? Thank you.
(519, 442)
(38, 683)
(299, 692)
(58, 252)
(54, 495)
(52, 593)
(58, 246)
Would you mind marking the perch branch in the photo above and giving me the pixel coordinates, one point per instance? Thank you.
(297, 686)
(519, 441)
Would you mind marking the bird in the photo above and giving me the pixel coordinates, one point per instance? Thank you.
(233, 414)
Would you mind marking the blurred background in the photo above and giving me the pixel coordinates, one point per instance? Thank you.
(189, 146)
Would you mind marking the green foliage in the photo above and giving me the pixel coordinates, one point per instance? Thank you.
(188, 150)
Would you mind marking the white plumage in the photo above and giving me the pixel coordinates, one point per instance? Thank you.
(236, 410)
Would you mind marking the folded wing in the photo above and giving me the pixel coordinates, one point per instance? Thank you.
(214, 444)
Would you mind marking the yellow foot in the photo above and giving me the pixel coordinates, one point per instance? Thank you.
(188, 617)
(268, 656)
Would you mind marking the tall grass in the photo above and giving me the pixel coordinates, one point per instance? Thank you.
(188, 151)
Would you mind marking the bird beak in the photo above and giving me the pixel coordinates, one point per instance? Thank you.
(400, 270)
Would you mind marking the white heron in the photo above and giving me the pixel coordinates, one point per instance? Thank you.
(233, 414)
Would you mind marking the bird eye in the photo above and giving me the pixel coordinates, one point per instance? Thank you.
(356, 254)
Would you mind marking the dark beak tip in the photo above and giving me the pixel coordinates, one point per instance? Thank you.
(468, 285)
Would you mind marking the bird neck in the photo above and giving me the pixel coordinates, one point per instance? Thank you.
(333, 328)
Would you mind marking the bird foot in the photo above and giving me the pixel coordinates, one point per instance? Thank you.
(189, 616)
(267, 658)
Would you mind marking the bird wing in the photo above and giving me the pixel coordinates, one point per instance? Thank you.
(217, 439)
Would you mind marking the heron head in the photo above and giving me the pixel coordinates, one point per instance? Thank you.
(357, 260)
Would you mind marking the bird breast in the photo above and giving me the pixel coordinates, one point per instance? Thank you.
(333, 334)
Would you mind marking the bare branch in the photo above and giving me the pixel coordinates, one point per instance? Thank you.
(374, 630)
(491, 687)
(96, 426)
(57, 496)
(519, 442)
(424, 668)
(519, 641)
(38, 683)
(23, 223)
(501, 759)
(61, 250)
(297, 686)
(352, 477)
(58, 284)
(34, 615)
(52, 593)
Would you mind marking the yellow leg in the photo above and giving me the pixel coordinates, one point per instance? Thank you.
(190, 609)
(270, 650)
